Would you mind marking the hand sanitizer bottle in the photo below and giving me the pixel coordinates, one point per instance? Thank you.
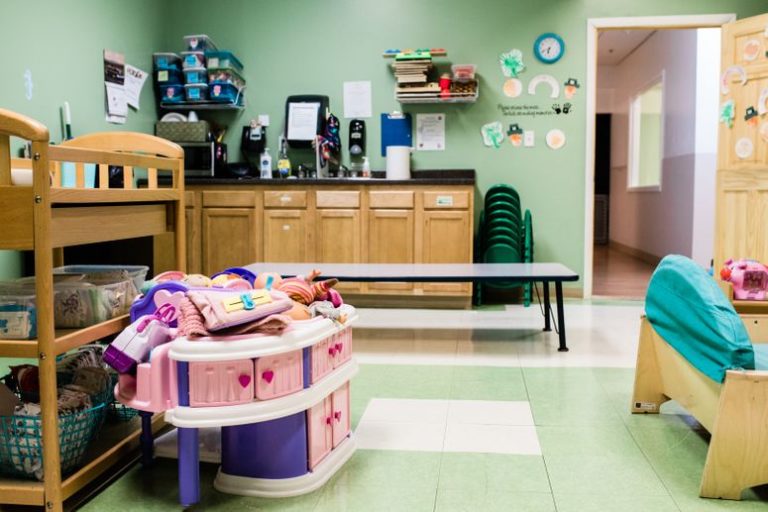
(265, 165)
(366, 168)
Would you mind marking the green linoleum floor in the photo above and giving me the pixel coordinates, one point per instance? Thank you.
(595, 455)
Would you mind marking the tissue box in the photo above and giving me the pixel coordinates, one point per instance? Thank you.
(183, 132)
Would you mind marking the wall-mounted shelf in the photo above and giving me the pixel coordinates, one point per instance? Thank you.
(412, 70)
(440, 99)
(202, 105)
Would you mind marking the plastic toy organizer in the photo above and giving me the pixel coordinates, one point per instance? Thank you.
(282, 403)
(201, 74)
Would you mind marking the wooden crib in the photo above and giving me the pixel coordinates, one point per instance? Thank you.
(43, 216)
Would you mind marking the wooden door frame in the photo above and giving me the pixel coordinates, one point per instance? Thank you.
(594, 25)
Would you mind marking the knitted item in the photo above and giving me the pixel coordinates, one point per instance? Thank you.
(192, 324)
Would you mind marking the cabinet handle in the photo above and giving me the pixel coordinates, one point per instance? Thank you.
(268, 375)
(339, 346)
(337, 416)
(328, 420)
(332, 351)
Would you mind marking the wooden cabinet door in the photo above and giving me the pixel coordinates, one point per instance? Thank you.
(285, 236)
(446, 239)
(338, 240)
(390, 240)
(742, 189)
(229, 238)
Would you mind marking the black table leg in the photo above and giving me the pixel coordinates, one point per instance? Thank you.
(560, 316)
(547, 306)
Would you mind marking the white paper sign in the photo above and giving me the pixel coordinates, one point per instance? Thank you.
(116, 100)
(357, 99)
(430, 132)
(302, 121)
(134, 81)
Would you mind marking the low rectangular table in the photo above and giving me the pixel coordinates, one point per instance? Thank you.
(544, 273)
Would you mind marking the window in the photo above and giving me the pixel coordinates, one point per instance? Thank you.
(646, 137)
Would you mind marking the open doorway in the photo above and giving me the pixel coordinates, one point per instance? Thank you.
(652, 150)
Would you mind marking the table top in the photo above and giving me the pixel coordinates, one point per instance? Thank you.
(425, 272)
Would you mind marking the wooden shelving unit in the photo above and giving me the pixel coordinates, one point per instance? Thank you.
(43, 218)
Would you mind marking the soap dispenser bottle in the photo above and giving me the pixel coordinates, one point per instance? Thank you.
(265, 165)
(366, 168)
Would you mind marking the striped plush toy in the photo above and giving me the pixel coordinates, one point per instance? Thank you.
(304, 290)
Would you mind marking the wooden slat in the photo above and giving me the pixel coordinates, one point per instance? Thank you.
(86, 225)
(18, 348)
(79, 175)
(116, 195)
(68, 154)
(103, 176)
(21, 492)
(17, 222)
(56, 174)
(151, 178)
(127, 177)
(5, 160)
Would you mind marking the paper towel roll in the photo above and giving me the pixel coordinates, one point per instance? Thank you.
(398, 162)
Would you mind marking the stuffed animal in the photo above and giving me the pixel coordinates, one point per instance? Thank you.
(298, 312)
(305, 291)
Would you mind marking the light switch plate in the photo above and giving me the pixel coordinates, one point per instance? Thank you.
(264, 119)
(529, 138)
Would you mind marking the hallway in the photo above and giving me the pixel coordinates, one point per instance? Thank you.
(619, 275)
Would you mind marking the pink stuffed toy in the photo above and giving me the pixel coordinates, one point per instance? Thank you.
(748, 277)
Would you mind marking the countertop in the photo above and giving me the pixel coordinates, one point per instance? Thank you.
(430, 177)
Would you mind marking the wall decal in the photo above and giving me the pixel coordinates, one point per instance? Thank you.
(515, 134)
(727, 113)
(512, 63)
(751, 116)
(725, 78)
(524, 110)
(546, 79)
(744, 148)
(570, 88)
(762, 102)
(751, 50)
(567, 108)
(513, 87)
(493, 134)
(28, 84)
(555, 139)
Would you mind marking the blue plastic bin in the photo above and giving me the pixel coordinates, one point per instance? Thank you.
(224, 92)
(195, 76)
(196, 92)
(173, 93)
(166, 60)
(168, 76)
(193, 59)
(223, 59)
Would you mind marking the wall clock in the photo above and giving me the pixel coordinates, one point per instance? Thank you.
(549, 48)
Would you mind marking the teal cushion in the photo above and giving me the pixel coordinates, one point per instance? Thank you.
(688, 310)
(761, 356)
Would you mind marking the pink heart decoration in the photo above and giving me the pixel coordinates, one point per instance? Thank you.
(268, 376)
(165, 297)
(244, 380)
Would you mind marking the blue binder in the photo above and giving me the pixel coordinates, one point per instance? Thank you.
(395, 131)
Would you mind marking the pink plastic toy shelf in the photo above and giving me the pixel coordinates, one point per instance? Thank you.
(282, 402)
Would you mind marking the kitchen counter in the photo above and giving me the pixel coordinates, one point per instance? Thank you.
(431, 177)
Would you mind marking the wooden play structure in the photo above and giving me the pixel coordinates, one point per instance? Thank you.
(42, 216)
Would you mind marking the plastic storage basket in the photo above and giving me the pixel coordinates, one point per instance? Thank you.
(136, 272)
(199, 42)
(225, 93)
(21, 441)
(18, 315)
(223, 59)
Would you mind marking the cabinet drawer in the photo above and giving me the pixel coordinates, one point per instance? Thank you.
(446, 200)
(391, 199)
(285, 199)
(228, 198)
(338, 199)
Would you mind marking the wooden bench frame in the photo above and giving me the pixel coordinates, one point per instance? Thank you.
(735, 412)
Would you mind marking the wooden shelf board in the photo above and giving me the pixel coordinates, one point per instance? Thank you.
(202, 106)
(66, 339)
(21, 492)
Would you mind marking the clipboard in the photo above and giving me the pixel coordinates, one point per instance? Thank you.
(395, 131)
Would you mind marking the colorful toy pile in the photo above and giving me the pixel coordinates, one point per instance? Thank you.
(266, 358)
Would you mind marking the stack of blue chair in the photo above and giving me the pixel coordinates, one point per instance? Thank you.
(505, 236)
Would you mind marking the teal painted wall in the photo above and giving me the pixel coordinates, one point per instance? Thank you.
(301, 46)
(298, 46)
(61, 43)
